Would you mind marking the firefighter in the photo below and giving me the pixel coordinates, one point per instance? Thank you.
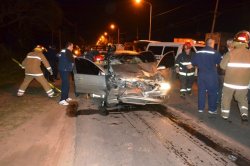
(186, 75)
(221, 72)
(31, 64)
(207, 60)
(236, 64)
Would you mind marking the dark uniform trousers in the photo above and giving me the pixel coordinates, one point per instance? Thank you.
(65, 85)
(186, 83)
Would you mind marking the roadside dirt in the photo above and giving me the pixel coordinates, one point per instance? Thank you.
(34, 129)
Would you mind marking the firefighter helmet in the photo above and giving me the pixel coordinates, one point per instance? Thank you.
(187, 45)
(242, 37)
(40, 48)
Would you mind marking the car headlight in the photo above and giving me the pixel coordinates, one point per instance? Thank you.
(165, 86)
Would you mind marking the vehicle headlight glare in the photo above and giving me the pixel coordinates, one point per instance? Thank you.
(165, 86)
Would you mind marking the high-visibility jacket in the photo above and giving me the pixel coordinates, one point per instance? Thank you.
(32, 63)
(182, 61)
(236, 63)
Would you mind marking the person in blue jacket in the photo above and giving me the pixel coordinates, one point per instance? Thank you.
(65, 67)
(207, 60)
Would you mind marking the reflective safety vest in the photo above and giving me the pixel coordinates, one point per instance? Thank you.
(32, 64)
(236, 64)
(181, 62)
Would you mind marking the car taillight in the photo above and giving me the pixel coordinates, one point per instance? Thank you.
(98, 58)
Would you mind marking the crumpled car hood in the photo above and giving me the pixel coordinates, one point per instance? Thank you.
(141, 70)
(134, 70)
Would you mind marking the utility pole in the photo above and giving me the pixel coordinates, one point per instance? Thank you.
(137, 33)
(60, 39)
(118, 35)
(215, 15)
(150, 21)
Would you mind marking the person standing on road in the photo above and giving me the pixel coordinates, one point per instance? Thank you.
(221, 72)
(207, 60)
(53, 61)
(186, 75)
(236, 64)
(32, 64)
(66, 62)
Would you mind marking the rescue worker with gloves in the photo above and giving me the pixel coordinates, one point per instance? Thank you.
(207, 60)
(186, 75)
(236, 64)
(32, 66)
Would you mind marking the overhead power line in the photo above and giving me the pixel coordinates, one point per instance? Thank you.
(172, 10)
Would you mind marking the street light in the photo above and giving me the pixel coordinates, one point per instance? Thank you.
(150, 15)
(112, 26)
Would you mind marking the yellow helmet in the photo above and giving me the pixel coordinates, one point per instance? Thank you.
(40, 48)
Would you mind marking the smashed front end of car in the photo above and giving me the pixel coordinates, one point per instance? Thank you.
(136, 90)
(122, 83)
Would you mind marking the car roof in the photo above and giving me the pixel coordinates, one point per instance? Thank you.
(177, 44)
(126, 52)
(149, 41)
(164, 44)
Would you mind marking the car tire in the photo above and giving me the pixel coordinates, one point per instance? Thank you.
(103, 111)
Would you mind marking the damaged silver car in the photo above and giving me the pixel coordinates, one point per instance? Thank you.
(127, 77)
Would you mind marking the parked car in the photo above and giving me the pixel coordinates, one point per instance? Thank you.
(99, 58)
(141, 45)
(127, 78)
(159, 49)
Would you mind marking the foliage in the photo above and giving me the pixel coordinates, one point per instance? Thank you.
(21, 21)
(26, 13)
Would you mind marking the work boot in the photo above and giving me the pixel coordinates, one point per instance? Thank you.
(189, 93)
(20, 93)
(244, 117)
(182, 95)
(224, 115)
(54, 95)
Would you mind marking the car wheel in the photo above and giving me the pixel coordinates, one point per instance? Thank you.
(103, 111)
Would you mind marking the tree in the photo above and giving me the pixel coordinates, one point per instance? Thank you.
(24, 19)
(36, 13)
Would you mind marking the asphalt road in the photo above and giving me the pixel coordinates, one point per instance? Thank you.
(140, 136)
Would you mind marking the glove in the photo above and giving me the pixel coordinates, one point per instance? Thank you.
(177, 70)
(50, 71)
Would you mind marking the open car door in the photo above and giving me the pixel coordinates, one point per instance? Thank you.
(167, 60)
(166, 65)
(89, 78)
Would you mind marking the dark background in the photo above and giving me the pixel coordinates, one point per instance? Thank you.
(188, 17)
(25, 23)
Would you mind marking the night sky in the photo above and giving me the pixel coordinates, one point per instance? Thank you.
(54, 22)
(171, 18)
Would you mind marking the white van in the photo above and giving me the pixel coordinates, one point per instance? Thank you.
(159, 49)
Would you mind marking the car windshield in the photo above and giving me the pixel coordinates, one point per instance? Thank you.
(125, 58)
(132, 58)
